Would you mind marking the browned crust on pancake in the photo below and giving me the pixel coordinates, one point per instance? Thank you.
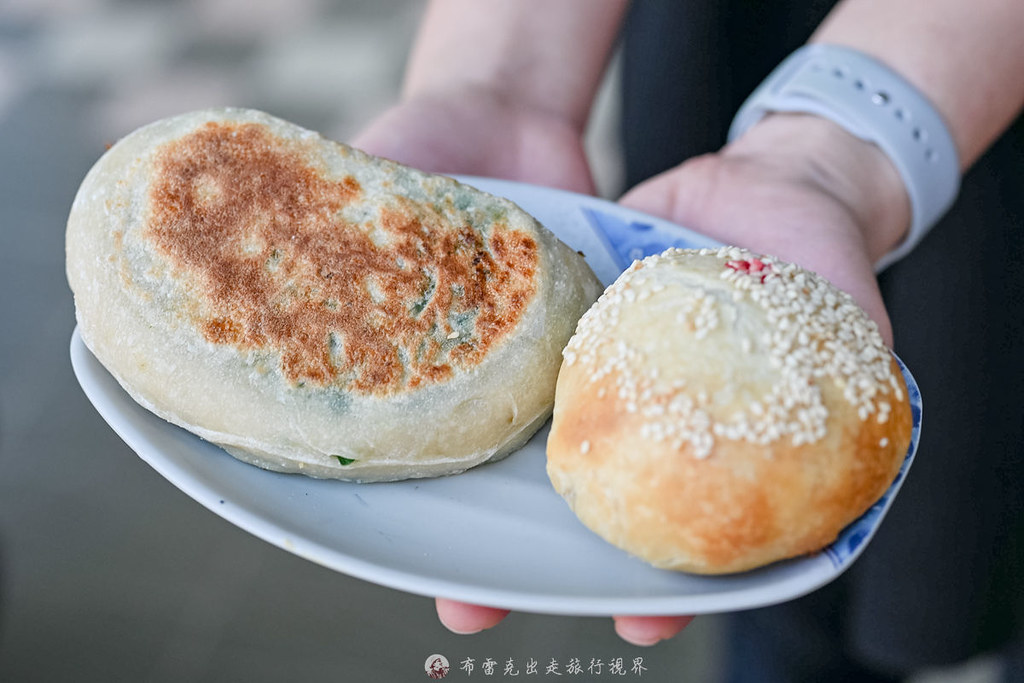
(251, 225)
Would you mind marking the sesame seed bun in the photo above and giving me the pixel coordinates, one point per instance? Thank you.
(315, 309)
(718, 411)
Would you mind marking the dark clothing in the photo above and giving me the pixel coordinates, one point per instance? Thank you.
(940, 581)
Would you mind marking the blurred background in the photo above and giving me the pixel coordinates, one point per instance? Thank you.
(107, 572)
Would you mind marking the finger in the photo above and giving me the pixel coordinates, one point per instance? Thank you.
(679, 194)
(463, 618)
(646, 631)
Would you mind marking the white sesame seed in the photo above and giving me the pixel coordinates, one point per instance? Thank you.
(812, 333)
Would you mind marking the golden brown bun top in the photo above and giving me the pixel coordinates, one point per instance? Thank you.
(276, 254)
(735, 309)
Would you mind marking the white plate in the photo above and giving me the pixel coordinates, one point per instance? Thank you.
(497, 535)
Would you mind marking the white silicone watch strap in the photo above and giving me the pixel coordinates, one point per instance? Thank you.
(872, 102)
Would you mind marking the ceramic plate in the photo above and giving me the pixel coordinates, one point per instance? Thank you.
(497, 535)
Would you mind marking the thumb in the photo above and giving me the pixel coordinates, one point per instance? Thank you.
(674, 195)
(464, 618)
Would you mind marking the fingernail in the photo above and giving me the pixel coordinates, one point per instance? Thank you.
(641, 642)
(457, 631)
(647, 640)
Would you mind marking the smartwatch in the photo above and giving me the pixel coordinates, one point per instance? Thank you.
(875, 104)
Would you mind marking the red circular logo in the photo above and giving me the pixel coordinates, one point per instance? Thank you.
(436, 667)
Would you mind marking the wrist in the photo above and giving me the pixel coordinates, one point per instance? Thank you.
(544, 56)
(857, 174)
(476, 130)
(488, 98)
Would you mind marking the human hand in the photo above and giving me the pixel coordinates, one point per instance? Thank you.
(475, 131)
(797, 187)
